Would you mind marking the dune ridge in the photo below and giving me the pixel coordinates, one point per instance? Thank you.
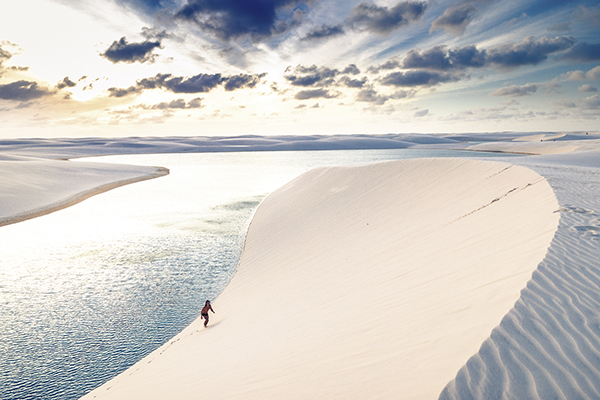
(376, 281)
(548, 345)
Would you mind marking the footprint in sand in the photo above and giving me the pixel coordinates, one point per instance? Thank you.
(593, 231)
(577, 210)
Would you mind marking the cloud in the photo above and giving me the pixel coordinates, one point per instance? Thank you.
(592, 102)
(387, 66)
(506, 56)
(455, 19)
(66, 82)
(590, 15)
(352, 83)
(201, 83)
(383, 20)
(438, 58)
(231, 19)
(583, 52)
(587, 89)
(417, 78)
(324, 32)
(155, 33)
(242, 81)
(6, 55)
(316, 94)
(174, 104)
(321, 76)
(516, 91)
(351, 69)
(573, 76)
(23, 91)
(593, 74)
(122, 51)
(421, 113)
(528, 52)
(311, 76)
(369, 95)
(578, 75)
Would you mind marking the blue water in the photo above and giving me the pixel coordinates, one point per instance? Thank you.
(87, 291)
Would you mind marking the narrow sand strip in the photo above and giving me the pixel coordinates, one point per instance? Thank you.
(365, 282)
(30, 188)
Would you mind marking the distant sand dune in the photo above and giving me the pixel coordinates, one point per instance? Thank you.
(369, 282)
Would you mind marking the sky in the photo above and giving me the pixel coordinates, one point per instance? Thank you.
(83, 68)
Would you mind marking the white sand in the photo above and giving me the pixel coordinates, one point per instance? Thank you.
(326, 306)
(31, 187)
(363, 282)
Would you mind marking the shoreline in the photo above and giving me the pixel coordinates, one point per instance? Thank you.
(78, 198)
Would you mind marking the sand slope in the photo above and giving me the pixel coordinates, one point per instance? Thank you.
(376, 281)
(548, 345)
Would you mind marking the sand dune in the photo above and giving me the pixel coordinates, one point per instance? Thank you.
(548, 345)
(377, 281)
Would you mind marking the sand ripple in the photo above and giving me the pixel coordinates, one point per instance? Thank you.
(548, 345)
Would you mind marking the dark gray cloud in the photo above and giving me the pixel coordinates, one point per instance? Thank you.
(230, 19)
(516, 91)
(23, 91)
(314, 76)
(455, 19)
(316, 94)
(66, 82)
(417, 78)
(201, 83)
(383, 20)
(370, 95)
(242, 81)
(311, 76)
(324, 32)
(440, 59)
(528, 52)
(352, 83)
(351, 69)
(122, 51)
(583, 52)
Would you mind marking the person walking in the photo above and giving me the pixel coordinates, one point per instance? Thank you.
(204, 312)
